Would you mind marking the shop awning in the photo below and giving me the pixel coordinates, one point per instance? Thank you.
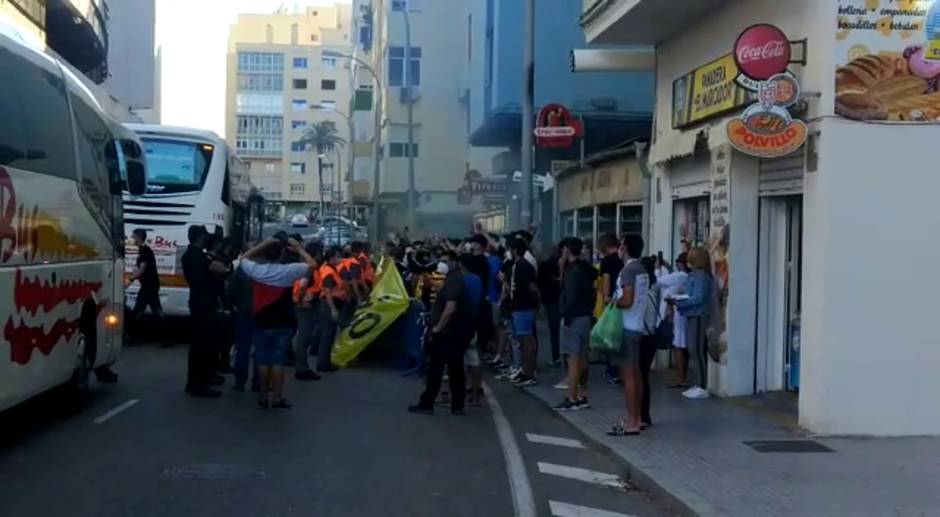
(631, 22)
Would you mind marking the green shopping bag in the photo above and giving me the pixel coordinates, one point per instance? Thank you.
(606, 334)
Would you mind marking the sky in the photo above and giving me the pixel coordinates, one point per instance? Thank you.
(193, 35)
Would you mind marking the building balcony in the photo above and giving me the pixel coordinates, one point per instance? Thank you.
(259, 153)
(78, 31)
(641, 22)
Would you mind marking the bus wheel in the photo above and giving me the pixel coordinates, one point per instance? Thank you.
(78, 386)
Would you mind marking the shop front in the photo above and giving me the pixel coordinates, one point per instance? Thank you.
(793, 141)
(605, 195)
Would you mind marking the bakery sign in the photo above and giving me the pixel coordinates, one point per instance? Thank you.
(888, 60)
(766, 129)
(708, 91)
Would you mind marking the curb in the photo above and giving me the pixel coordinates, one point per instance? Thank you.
(640, 479)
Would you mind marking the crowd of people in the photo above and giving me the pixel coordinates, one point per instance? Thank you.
(481, 298)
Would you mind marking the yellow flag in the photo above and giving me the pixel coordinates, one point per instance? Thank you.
(387, 302)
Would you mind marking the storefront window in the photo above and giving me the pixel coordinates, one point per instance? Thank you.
(606, 219)
(567, 224)
(585, 230)
(631, 219)
(691, 223)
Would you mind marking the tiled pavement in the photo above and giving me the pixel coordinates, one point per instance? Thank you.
(695, 458)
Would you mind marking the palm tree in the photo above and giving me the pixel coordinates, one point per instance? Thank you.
(322, 136)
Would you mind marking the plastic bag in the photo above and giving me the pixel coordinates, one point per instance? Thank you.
(607, 332)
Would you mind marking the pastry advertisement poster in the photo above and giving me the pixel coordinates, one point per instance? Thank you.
(888, 60)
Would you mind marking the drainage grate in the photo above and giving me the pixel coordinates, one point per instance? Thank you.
(787, 446)
(211, 472)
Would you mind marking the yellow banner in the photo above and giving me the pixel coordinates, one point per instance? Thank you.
(387, 302)
(707, 91)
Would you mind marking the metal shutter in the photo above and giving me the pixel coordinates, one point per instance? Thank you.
(782, 176)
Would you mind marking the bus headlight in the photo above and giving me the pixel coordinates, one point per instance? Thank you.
(112, 320)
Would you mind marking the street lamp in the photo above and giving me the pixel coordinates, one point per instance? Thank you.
(376, 138)
(412, 193)
(320, 158)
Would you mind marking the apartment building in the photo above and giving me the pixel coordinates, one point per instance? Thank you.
(442, 158)
(285, 73)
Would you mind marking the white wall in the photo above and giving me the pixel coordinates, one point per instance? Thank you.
(870, 346)
(131, 56)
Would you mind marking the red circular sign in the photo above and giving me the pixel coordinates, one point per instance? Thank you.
(762, 51)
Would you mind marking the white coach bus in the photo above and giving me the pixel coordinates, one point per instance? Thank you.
(194, 178)
(63, 167)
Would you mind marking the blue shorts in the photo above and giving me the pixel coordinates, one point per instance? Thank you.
(523, 323)
(271, 346)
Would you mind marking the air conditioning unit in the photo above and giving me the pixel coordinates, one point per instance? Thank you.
(403, 94)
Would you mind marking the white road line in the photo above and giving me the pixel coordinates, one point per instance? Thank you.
(570, 510)
(579, 474)
(554, 440)
(522, 499)
(107, 416)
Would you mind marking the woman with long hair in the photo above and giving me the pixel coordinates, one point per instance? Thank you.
(697, 306)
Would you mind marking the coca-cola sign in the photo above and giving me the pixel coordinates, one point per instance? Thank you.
(761, 52)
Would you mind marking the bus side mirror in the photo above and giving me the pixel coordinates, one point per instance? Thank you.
(136, 178)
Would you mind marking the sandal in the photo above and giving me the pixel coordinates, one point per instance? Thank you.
(282, 404)
(620, 430)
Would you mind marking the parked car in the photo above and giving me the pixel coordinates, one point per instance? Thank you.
(299, 221)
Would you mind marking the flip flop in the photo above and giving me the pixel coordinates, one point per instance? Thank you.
(620, 430)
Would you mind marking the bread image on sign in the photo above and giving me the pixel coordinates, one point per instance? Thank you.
(900, 88)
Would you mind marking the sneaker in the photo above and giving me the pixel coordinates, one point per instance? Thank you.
(562, 385)
(525, 382)
(697, 393)
(567, 405)
(689, 391)
(583, 403)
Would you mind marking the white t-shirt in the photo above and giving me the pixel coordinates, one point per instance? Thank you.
(634, 275)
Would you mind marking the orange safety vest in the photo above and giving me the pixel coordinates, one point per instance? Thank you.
(338, 291)
(368, 272)
(313, 286)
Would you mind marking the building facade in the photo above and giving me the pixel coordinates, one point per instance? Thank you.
(799, 240)
(614, 108)
(284, 75)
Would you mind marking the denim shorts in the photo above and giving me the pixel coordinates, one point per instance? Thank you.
(271, 346)
(575, 336)
(629, 353)
(523, 323)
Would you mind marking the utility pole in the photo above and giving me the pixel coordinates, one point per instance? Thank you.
(320, 180)
(528, 117)
(412, 192)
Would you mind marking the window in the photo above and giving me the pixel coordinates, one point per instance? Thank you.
(260, 82)
(269, 168)
(314, 38)
(300, 84)
(298, 124)
(259, 103)
(396, 66)
(260, 62)
(328, 62)
(297, 189)
(298, 147)
(93, 136)
(300, 62)
(31, 134)
(327, 84)
(294, 34)
(298, 168)
(299, 104)
(400, 150)
(328, 104)
(254, 125)
(176, 166)
(365, 36)
(585, 229)
(269, 34)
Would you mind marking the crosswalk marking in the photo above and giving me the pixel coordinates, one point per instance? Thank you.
(570, 510)
(579, 474)
(554, 440)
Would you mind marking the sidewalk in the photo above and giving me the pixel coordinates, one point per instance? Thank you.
(695, 458)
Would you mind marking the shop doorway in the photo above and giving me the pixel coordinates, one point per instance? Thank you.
(779, 294)
(691, 223)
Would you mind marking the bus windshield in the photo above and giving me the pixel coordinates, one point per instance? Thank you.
(176, 166)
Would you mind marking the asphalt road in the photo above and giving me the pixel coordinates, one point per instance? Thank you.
(347, 448)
